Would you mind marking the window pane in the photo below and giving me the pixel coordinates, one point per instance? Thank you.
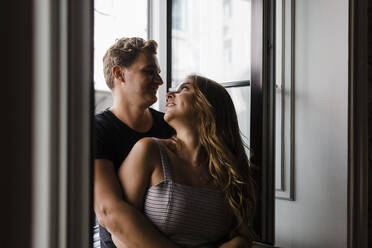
(114, 19)
(241, 97)
(211, 38)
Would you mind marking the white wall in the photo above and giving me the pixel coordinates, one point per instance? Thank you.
(318, 216)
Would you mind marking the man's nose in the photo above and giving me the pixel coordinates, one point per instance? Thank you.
(158, 79)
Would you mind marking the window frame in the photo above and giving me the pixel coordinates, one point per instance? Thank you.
(358, 172)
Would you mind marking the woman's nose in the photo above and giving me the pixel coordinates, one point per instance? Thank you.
(170, 95)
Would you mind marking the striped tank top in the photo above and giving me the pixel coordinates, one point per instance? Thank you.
(189, 216)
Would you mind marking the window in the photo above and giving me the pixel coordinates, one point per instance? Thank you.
(216, 42)
(179, 15)
(216, 45)
(114, 19)
(227, 8)
(227, 51)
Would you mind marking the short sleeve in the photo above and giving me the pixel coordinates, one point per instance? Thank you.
(103, 143)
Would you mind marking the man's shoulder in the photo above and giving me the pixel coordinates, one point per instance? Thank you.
(103, 115)
(105, 119)
(158, 117)
(163, 130)
(104, 123)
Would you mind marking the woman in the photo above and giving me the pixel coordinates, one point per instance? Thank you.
(196, 187)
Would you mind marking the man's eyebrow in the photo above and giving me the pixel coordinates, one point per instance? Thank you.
(152, 67)
(149, 66)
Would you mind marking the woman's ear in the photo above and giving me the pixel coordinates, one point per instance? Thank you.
(117, 72)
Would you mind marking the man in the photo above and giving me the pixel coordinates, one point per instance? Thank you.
(131, 72)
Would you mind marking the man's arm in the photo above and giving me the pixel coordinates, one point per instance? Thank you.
(122, 220)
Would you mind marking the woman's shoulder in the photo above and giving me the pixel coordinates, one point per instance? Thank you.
(150, 144)
(146, 145)
(152, 141)
(144, 154)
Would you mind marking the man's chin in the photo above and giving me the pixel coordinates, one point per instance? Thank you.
(152, 100)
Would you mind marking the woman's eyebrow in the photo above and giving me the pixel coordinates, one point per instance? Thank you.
(183, 84)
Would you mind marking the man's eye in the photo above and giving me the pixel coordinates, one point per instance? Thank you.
(150, 72)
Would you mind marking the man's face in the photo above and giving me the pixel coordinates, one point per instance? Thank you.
(142, 79)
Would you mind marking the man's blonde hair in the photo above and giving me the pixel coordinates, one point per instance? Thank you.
(123, 53)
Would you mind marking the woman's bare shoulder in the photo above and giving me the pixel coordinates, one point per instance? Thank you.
(143, 156)
(150, 146)
(170, 145)
(146, 144)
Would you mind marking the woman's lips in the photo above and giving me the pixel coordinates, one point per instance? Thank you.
(170, 104)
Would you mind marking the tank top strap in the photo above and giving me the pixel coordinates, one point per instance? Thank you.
(165, 161)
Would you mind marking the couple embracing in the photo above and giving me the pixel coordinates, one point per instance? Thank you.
(179, 179)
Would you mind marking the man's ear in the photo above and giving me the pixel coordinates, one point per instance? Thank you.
(118, 73)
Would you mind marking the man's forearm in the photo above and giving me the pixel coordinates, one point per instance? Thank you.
(132, 228)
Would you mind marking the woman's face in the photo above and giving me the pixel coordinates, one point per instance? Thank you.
(180, 103)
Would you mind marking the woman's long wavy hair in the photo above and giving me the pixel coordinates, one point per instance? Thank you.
(223, 150)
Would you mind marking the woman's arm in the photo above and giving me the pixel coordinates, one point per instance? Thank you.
(136, 170)
(126, 224)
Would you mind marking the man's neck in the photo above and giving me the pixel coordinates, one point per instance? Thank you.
(137, 117)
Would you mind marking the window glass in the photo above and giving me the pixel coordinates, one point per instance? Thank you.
(211, 38)
(114, 19)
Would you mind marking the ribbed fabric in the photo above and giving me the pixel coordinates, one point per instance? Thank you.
(189, 216)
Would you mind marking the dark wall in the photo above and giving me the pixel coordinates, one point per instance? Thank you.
(15, 137)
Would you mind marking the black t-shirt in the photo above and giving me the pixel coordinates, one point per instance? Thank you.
(114, 140)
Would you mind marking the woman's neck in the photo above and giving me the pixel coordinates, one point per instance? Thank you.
(190, 144)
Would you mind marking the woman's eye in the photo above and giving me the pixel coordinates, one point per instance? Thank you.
(184, 88)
